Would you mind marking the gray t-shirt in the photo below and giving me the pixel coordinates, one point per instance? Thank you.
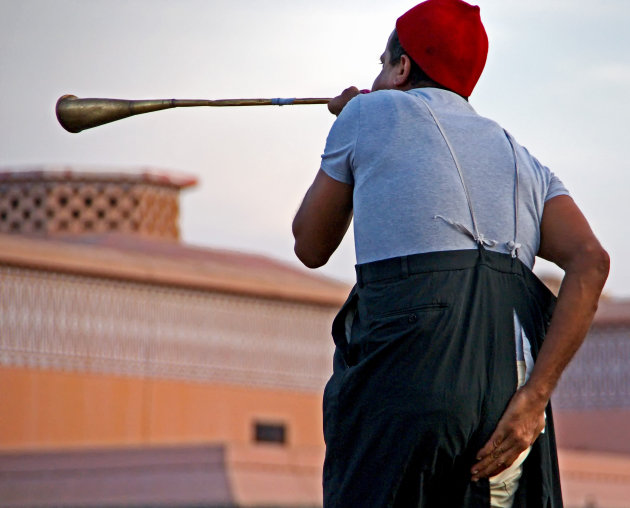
(387, 145)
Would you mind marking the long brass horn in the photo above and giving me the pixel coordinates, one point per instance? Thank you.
(76, 115)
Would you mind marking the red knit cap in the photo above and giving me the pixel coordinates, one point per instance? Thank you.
(447, 40)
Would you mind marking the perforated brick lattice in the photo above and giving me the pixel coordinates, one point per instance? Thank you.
(58, 321)
(73, 203)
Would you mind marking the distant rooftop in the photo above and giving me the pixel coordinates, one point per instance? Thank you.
(51, 200)
(68, 173)
(155, 261)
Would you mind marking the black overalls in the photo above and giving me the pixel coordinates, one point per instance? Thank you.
(424, 368)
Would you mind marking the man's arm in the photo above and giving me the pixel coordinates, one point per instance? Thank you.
(566, 240)
(322, 220)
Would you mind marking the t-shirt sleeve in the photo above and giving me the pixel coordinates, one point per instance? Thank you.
(554, 185)
(338, 156)
(556, 188)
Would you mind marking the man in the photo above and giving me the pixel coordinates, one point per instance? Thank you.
(435, 400)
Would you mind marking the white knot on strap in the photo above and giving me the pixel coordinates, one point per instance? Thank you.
(513, 247)
(484, 241)
(282, 102)
(480, 239)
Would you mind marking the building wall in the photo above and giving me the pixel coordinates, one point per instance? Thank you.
(598, 378)
(98, 367)
(594, 479)
(48, 409)
(87, 324)
(98, 361)
(592, 401)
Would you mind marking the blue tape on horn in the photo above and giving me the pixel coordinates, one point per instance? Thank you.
(282, 102)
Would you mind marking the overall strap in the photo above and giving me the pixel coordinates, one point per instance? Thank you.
(475, 235)
(478, 237)
(513, 245)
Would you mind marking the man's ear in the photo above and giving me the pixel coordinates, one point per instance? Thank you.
(402, 72)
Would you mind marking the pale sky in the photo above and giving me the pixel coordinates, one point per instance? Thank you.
(557, 77)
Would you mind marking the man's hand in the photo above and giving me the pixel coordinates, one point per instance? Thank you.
(338, 103)
(516, 431)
